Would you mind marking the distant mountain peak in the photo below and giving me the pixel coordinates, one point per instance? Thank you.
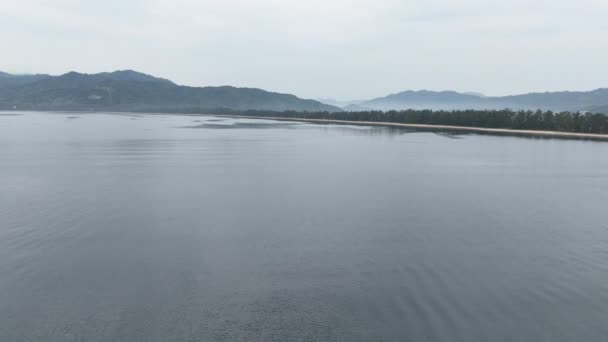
(420, 99)
(72, 74)
(129, 72)
(355, 108)
(426, 91)
(118, 75)
(132, 75)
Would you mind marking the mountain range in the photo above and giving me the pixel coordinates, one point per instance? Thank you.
(128, 90)
(595, 100)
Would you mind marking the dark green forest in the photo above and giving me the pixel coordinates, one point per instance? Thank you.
(506, 119)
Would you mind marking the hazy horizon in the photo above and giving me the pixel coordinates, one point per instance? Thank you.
(343, 50)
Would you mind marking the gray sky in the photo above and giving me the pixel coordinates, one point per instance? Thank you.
(319, 48)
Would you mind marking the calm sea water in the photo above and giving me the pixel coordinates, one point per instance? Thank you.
(197, 228)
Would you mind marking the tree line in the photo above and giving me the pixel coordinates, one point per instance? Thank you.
(507, 119)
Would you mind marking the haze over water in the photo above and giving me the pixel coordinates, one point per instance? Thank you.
(198, 228)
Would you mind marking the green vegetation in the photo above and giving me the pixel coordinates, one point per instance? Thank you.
(504, 119)
(129, 90)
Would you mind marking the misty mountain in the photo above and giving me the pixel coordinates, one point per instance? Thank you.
(355, 108)
(129, 90)
(565, 100)
(450, 100)
(332, 102)
(424, 99)
(340, 103)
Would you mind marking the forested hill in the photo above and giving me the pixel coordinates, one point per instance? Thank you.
(450, 100)
(8, 80)
(133, 91)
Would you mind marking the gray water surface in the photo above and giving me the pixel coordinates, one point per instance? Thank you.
(197, 228)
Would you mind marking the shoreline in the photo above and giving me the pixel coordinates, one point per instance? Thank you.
(426, 127)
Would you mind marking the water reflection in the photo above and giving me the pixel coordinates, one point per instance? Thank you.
(243, 125)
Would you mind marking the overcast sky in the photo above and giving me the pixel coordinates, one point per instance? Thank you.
(318, 48)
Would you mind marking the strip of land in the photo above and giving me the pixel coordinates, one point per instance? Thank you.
(461, 129)
(425, 127)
